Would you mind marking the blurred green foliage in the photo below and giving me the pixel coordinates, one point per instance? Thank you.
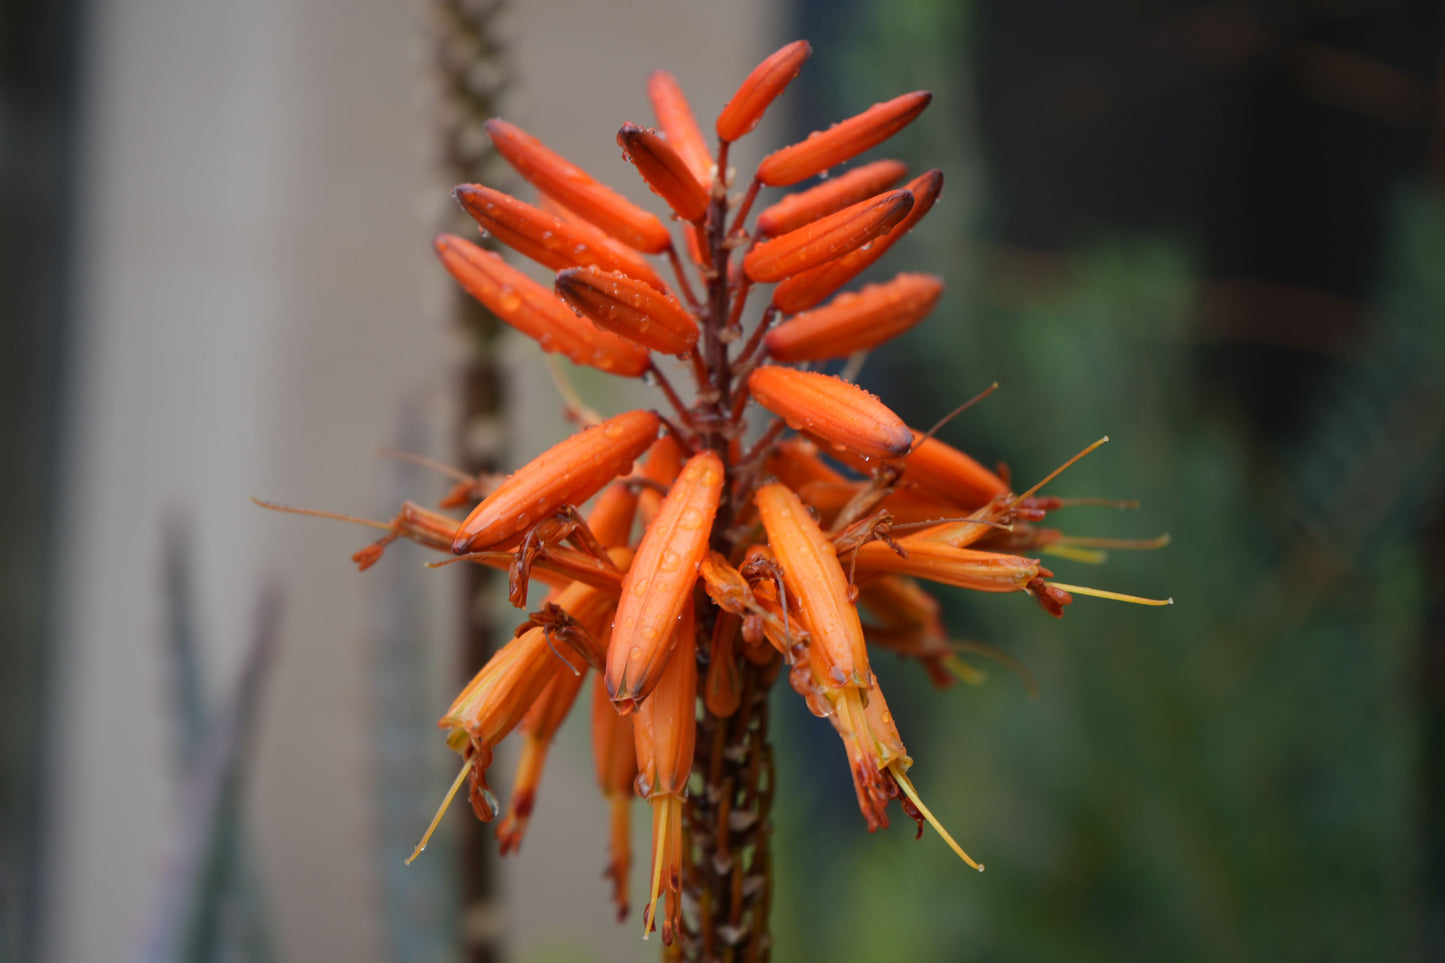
(1239, 777)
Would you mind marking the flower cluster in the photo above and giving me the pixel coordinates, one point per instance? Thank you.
(722, 553)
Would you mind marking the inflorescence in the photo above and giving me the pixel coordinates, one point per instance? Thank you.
(730, 549)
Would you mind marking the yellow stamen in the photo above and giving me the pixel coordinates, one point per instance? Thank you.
(659, 846)
(1057, 471)
(334, 516)
(1106, 594)
(912, 794)
(1132, 544)
(1088, 556)
(441, 811)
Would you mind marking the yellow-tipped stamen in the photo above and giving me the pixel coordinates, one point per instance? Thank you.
(1089, 556)
(441, 811)
(1057, 472)
(1126, 544)
(576, 407)
(659, 846)
(912, 794)
(318, 513)
(1106, 594)
(412, 458)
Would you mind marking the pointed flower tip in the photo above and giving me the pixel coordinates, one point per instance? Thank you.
(841, 414)
(833, 194)
(665, 171)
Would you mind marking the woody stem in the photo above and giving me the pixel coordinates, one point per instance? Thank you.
(729, 876)
(728, 873)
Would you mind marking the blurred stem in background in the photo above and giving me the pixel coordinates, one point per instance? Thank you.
(471, 74)
(38, 123)
(1209, 232)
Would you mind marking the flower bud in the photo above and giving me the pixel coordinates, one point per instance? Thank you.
(834, 194)
(761, 87)
(839, 413)
(629, 308)
(568, 473)
(535, 311)
(845, 139)
(828, 238)
(557, 177)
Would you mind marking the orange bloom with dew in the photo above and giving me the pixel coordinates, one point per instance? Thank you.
(762, 521)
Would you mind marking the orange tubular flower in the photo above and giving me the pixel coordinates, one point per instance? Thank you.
(629, 308)
(828, 238)
(845, 139)
(567, 473)
(536, 312)
(806, 290)
(501, 694)
(665, 171)
(664, 734)
(548, 239)
(658, 586)
(841, 414)
(735, 549)
(540, 724)
(557, 177)
(616, 761)
(965, 567)
(834, 194)
(676, 120)
(762, 87)
(856, 322)
(814, 577)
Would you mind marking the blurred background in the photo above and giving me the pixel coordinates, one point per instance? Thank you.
(1213, 231)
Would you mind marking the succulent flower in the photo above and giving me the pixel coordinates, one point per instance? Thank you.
(731, 553)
